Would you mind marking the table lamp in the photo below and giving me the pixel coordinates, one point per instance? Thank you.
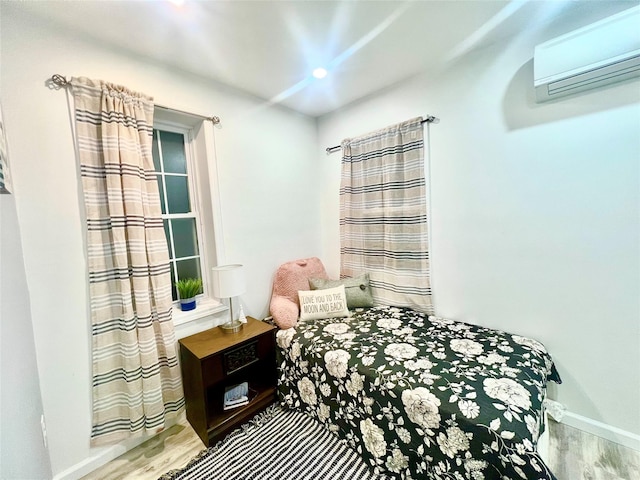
(228, 282)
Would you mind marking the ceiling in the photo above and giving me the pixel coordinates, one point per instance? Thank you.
(270, 48)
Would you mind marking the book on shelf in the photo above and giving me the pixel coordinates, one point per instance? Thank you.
(230, 406)
(236, 396)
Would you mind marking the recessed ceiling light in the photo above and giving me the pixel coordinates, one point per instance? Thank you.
(319, 72)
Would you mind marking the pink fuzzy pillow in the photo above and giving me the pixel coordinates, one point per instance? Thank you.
(290, 278)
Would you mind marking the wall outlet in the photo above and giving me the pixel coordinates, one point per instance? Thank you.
(44, 430)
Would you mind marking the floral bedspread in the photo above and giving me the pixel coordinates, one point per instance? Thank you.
(421, 397)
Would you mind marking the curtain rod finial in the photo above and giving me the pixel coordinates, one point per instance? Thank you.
(59, 80)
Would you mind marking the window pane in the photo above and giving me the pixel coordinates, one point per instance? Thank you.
(173, 155)
(189, 269)
(166, 234)
(161, 190)
(185, 237)
(154, 151)
(177, 194)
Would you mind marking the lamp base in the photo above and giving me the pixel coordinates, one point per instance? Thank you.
(233, 326)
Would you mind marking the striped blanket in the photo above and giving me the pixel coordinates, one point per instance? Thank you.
(277, 444)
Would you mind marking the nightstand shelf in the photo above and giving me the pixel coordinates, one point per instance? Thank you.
(214, 360)
(222, 421)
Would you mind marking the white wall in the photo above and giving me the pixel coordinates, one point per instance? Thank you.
(270, 214)
(22, 450)
(535, 208)
(535, 214)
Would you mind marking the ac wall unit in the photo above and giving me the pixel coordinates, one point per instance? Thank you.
(605, 52)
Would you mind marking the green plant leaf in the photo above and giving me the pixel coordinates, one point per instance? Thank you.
(188, 287)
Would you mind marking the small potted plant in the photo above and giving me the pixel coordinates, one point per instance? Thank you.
(188, 288)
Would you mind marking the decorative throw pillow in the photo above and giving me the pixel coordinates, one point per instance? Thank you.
(328, 303)
(357, 289)
(289, 278)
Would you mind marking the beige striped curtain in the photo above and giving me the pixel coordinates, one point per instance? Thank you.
(136, 378)
(383, 214)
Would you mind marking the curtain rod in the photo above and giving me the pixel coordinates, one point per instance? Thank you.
(62, 81)
(428, 119)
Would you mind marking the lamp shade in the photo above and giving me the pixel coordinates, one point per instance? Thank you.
(228, 281)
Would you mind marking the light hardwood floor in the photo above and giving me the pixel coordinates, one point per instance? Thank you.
(577, 455)
(574, 455)
(169, 450)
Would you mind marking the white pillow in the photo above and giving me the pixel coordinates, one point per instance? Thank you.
(328, 303)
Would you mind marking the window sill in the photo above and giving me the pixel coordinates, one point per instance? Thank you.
(204, 308)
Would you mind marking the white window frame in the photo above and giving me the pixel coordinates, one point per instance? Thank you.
(204, 196)
(193, 197)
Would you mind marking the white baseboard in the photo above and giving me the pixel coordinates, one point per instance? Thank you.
(602, 430)
(94, 462)
(105, 454)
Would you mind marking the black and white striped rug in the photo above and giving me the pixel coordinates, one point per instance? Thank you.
(277, 444)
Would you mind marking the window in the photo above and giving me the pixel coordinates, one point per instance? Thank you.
(170, 158)
(184, 160)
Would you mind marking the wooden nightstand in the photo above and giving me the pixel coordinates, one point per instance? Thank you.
(212, 360)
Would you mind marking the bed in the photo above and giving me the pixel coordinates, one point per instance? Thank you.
(419, 396)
